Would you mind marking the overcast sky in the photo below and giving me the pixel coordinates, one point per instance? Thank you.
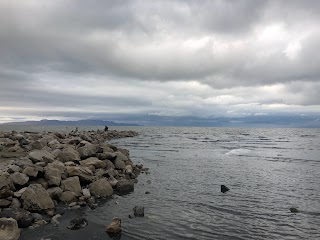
(71, 59)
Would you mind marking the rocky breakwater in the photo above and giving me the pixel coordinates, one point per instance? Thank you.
(41, 171)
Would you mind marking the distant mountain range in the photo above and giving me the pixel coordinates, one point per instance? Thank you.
(86, 122)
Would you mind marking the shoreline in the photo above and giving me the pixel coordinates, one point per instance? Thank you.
(43, 173)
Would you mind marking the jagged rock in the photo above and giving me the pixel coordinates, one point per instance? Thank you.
(39, 144)
(54, 192)
(19, 193)
(13, 168)
(77, 223)
(111, 172)
(54, 219)
(119, 164)
(36, 198)
(6, 192)
(75, 141)
(294, 210)
(56, 152)
(5, 180)
(86, 150)
(109, 164)
(53, 176)
(4, 203)
(114, 226)
(41, 156)
(30, 171)
(15, 203)
(101, 188)
(93, 161)
(113, 181)
(138, 211)
(86, 193)
(68, 153)
(125, 186)
(58, 165)
(54, 144)
(68, 197)
(19, 178)
(43, 183)
(84, 173)
(72, 184)
(9, 229)
(128, 169)
(60, 135)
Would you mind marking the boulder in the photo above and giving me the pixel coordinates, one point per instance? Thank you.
(39, 144)
(53, 176)
(77, 223)
(36, 198)
(119, 164)
(101, 188)
(68, 153)
(86, 150)
(19, 193)
(121, 156)
(84, 173)
(4, 203)
(13, 168)
(6, 192)
(5, 180)
(15, 203)
(107, 156)
(114, 226)
(54, 144)
(19, 178)
(41, 156)
(54, 192)
(72, 184)
(125, 186)
(93, 161)
(86, 193)
(30, 171)
(109, 164)
(9, 229)
(68, 197)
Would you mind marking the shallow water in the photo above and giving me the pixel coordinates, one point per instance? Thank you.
(267, 170)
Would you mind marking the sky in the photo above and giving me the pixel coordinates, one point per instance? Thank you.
(79, 59)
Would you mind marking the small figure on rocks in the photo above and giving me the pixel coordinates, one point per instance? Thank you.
(114, 226)
(138, 211)
(106, 128)
(77, 223)
(294, 210)
(224, 189)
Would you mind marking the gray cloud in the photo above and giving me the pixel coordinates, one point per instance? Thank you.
(160, 57)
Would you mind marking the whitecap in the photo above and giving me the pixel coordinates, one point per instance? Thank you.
(238, 151)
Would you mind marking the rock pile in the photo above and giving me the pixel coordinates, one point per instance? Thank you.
(44, 170)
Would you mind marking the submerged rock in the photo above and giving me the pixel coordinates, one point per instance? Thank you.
(77, 223)
(138, 211)
(224, 189)
(114, 226)
(294, 210)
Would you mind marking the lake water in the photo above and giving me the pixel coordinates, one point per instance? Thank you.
(267, 170)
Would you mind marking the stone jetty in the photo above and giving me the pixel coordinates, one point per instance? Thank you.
(41, 171)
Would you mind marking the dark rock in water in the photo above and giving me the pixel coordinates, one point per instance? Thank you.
(138, 211)
(77, 223)
(224, 189)
(26, 221)
(130, 216)
(106, 128)
(147, 192)
(294, 210)
(114, 236)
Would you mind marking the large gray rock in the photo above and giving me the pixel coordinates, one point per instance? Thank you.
(109, 164)
(93, 161)
(121, 156)
(68, 197)
(19, 178)
(124, 186)
(9, 229)
(101, 188)
(72, 184)
(54, 192)
(41, 156)
(54, 144)
(107, 155)
(84, 173)
(53, 176)
(36, 198)
(86, 150)
(30, 171)
(68, 153)
(119, 164)
(5, 180)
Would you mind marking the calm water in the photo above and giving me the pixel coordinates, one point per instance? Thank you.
(267, 170)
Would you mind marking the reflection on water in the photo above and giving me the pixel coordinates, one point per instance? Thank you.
(267, 170)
